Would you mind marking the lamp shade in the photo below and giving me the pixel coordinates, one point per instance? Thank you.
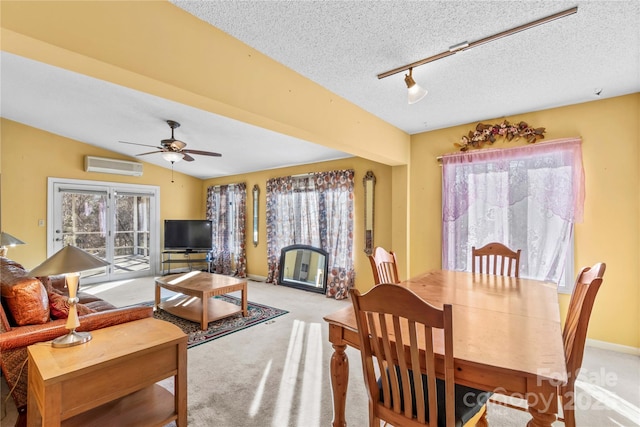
(172, 156)
(415, 92)
(7, 239)
(68, 260)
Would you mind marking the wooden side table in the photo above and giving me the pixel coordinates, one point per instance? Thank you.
(111, 380)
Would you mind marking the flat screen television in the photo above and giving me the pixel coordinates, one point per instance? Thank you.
(187, 234)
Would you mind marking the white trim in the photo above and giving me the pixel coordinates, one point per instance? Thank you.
(604, 345)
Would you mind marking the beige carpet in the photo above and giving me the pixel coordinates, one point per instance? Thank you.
(277, 373)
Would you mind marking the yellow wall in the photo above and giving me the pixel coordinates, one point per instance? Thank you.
(257, 256)
(30, 156)
(611, 230)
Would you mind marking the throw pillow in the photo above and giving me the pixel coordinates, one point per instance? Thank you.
(60, 306)
(27, 301)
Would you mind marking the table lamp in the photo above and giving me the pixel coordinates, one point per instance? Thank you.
(69, 261)
(7, 239)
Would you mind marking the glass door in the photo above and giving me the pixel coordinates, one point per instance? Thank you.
(116, 222)
(132, 236)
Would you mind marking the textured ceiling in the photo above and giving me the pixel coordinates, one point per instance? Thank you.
(343, 46)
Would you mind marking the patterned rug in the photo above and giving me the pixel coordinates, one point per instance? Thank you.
(258, 313)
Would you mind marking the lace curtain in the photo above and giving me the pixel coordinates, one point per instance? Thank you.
(226, 207)
(314, 210)
(525, 197)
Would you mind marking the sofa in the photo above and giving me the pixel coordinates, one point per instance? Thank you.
(34, 310)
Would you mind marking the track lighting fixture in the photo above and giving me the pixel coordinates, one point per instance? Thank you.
(419, 93)
(416, 93)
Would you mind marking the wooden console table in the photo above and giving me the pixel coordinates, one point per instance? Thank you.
(111, 380)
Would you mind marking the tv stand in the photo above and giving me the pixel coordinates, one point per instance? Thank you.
(188, 257)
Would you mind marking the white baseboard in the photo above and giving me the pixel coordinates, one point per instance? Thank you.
(257, 278)
(613, 347)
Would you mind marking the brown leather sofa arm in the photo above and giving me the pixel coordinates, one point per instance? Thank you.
(23, 336)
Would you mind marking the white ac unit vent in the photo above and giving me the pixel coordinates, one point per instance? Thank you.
(118, 167)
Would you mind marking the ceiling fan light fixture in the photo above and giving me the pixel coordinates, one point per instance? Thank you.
(172, 156)
(415, 92)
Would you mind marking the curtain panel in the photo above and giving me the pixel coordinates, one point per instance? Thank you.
(226, 208)
(315, 210)
(526, 197)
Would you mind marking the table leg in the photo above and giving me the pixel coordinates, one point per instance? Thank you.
(180, 386)
(245, 310)
(542, 399)
(540, 419)
(339, 383)
(157, 301)
(204, 322)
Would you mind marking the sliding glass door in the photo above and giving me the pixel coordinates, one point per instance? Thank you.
(116, 222)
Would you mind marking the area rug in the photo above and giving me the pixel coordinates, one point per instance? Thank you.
(258, 313)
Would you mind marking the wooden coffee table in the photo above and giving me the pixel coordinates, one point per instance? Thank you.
(199, 289)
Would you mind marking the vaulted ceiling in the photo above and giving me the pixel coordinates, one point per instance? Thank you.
(343, 46)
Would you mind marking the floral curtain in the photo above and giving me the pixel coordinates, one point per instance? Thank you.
(525, 197)
(227, 207)
(315, 210)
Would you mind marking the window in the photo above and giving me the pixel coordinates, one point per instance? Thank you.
(526, 197)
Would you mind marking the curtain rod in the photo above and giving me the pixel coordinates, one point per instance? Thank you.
(465, 46)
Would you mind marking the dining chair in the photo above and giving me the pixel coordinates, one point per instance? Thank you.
(574, 337)
(384, 266)
(497, 259)
(399, 335)
(574, 333)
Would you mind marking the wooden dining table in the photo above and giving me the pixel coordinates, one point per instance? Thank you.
(507, 338)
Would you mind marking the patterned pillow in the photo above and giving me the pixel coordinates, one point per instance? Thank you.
(59, 305)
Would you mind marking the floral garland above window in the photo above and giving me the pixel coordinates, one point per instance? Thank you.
(487, 134)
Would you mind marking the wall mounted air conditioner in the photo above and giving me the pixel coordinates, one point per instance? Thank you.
(118, 167)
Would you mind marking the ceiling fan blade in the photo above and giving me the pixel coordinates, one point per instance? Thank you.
(187, 157)
(202, 153)
(144, 145)
(150, 152)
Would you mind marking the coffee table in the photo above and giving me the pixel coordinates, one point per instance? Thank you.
(198, 290)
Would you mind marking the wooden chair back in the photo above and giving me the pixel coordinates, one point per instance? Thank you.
(497, 259)
(384, 266)
(574, 333)
(392, 321)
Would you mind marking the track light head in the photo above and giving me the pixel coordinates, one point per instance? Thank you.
(415, 92)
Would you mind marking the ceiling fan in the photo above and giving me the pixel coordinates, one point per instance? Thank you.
(173, 150)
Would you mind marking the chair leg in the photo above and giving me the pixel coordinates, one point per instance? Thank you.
(568, 398)
(373, 420)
